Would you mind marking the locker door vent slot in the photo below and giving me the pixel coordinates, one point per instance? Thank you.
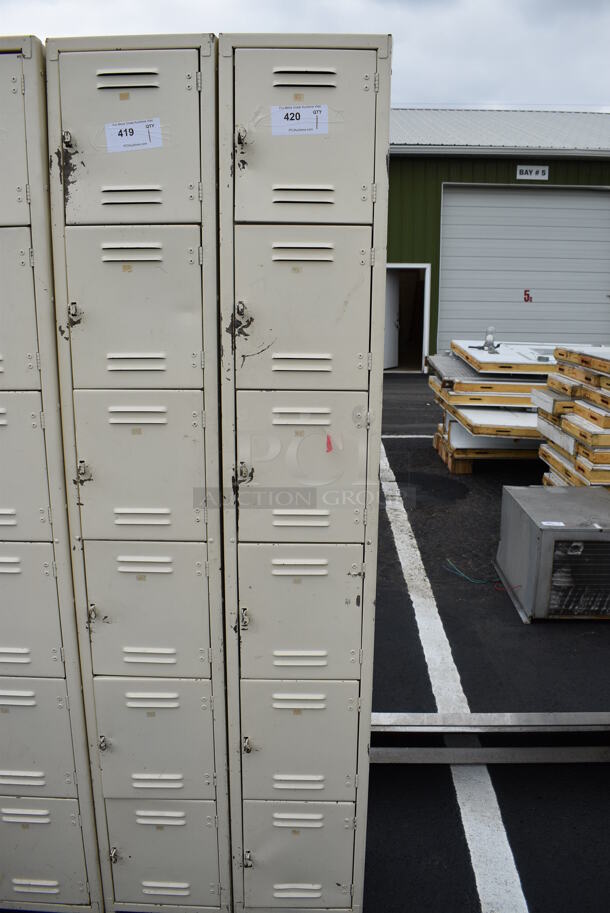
(8, 515)
(131, 193)
(142, 516)
(304, 77)
(309, 820)
(22, 778)
(136, 361)
(303, 193)
(166, 888)
(160, 818)
(300, 658)
(286, 701)
(17, 698)
(26, 815)
(314, 415)
(299, 781)
(302, 252)
(302, 361)
(137, 415)
(297, 891)
(9, 564)
(157, 781)
(124, 252)
(152, 700)
(162, 656)
(145, 564)
(20, 655)
(299, 567)
(304, 517)
(35, 886)
(3, 420)
(128, 78)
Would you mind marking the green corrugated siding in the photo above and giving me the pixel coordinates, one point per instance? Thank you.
(414, 227)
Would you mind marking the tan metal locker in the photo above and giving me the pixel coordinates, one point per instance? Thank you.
(302, 466)
(19, 354)
(299, 739)
(24, 490)
(130, 136)
(305, 134)
(300, 610)
(37, 756)
(141, 467)
(30, 631)
(43, 860)
(14, 187)
(298, 854)
(148, 608)
(155, 736)
(136, 298)
(133, 194)
(303, 213)
(165, 852)
(304, 299)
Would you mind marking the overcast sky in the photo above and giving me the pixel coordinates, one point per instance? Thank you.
(532, 53)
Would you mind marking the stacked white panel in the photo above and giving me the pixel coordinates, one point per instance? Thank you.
(132, 126)
(48, 854)
(303, 186)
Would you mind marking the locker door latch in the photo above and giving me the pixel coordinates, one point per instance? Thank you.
(114, 855)
(83, 472)
(246, 744)
(103, 744)
(244, 619)
(245, 473)
(241, 135)
(248, 859)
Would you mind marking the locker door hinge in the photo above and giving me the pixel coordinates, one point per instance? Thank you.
(369, 361)
(203, 419)
(23, 88)
(212, 702)
(50, 514)
(360, 655)
(62, 655)
(28, 197)
(38, 360)
(31, 256)
(198, 80)
(54, 572)
(210, 658)
(357, 781)
(200, 191)
(372, 256)
(369, 418)
(365, 516)
(351, 823)
(75, 777)
(202, 359)
(206, 571)
(42, 424)
(376, 82)
(374, 193)
(200, 253)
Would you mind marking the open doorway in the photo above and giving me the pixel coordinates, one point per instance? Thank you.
(407, 316)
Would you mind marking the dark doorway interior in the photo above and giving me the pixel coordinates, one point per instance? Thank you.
(408, 286)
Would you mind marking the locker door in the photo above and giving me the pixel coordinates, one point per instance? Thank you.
(302, 739)
(304, 131)
(138, 294)
(24, 495)
(14, 209)
(149, 608)
(156, 736)
(30, 633)
(300, 610)
(167, 852)
(130, 121)
(144, 454)
(42, 852)
(302, 466)
(18, 335)
(35, 741)
(301, 854)
(303, 298)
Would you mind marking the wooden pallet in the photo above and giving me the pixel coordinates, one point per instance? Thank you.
(461, 462)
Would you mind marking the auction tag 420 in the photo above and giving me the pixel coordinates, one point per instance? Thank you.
(299, 120)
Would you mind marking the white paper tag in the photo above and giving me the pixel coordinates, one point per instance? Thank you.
(127, 136)
(299, 120)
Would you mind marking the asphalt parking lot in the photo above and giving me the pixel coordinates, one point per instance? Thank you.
(433, 828)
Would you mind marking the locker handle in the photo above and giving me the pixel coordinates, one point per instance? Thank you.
(246, 745)
(103, 743)
(248, 859)
(114, 855)
(244, 618)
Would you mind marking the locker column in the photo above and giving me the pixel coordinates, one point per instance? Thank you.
(303, 142)
(47, 835)
(132, 127)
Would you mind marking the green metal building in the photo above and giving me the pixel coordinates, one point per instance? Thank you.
(496, 218)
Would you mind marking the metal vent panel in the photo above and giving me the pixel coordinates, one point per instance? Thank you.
(580, 581)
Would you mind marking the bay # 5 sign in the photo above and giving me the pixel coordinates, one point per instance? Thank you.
(532, 172)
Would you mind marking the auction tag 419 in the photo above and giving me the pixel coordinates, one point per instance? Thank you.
(299, 120)
(128, 136)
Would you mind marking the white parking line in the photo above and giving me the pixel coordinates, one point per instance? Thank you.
(427, 437)
(493, 864)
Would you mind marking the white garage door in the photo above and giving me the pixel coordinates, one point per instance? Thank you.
(532, 262)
